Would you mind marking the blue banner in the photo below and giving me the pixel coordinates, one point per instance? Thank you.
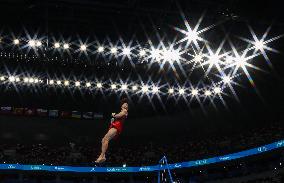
(194, 163)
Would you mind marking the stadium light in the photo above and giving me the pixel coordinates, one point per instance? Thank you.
(198, 58)
(171, 55)
(155, 89)
(77, 83)
(83, 47)
(99, 85)
(258, 45)
(113, 86)
(11, 78)
(66, 83)
(126, 51)
(124, 87)
(51, 82)
(100, 49)
(181, 91)
(207, 92)
(142, 53)
(229, 59)
(65, 46)
(214, 59)
(226, 79)
(38, 43)
(2, 78)
(56, 45)
(194, 92)
(156, 54)
(31, 80)
(58, 82)
(113, 50)
(134, 88)
(145, 89)
(88, 84)
(32, 43)
(192, 36)
(16, 41)
(240, 62)
(171, 91)
(217, 90)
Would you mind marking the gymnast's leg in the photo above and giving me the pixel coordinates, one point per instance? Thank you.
(110, 135)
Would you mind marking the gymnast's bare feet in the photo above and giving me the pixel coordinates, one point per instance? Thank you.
(101, 159)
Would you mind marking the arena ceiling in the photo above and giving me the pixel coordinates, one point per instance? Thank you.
(141, 21)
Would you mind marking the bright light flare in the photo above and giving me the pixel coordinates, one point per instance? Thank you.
(124, 87)
(66, 83)
(32, 43)
(226, 79)
(113, 86)
(217, 90)
(99, 85)
(207, 93)
(26, 80)
(38, 43)
(192, 36)
(170, 55)
(198, 58)
(181, 91)
(126, 51)
(101, 49)
(31, 80)
(88, 84)
(56, 45)
(142, 53)
(77, 83)
(16, 41)
(156, 54)
(134, 88)
(145, 89)
(83, 47)
(171, 91)
(113, 50)
(66, 46)
(51, 82)
(12, 78)
(258, 45)
(194, 92)
(155, 89)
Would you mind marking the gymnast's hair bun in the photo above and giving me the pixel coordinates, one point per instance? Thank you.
(124, 100)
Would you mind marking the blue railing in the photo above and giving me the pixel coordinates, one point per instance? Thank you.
(195, 163)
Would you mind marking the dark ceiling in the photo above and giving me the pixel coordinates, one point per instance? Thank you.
(127, 19)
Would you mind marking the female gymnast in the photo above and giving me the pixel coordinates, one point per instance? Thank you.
(114, 130)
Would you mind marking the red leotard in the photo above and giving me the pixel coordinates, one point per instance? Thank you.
(118, 125)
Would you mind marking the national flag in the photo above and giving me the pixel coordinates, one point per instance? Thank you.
(18, 111)
(29, 112)
(98, 116)
(42, 112)
(65, 114)
(76, 114)
(5, 110)
(53, 113)
(88, 115)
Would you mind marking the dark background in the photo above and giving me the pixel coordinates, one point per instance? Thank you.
(103, 20)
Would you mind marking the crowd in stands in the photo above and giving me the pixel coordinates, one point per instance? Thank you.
(183, 149)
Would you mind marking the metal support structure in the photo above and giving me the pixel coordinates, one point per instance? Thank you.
(163, 162)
